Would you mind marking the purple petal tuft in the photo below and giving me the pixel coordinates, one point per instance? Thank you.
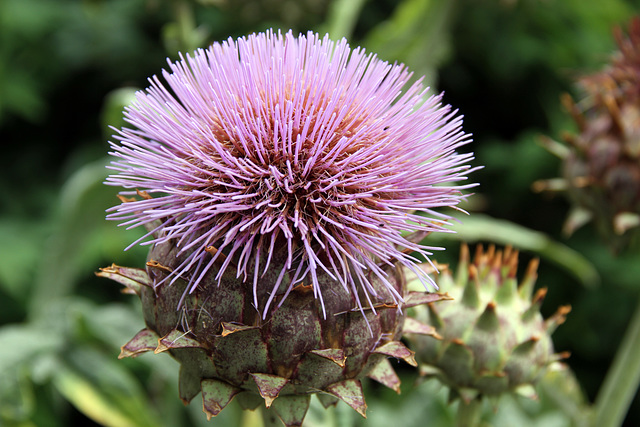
(275, 141)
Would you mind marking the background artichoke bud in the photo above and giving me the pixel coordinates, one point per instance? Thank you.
(491, 338)
(601, 163)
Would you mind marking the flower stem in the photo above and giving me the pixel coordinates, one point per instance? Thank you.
(186, 25)
(469, 413)
(343, 15)
(621, 383)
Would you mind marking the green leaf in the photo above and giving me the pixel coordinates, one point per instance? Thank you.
(21, 248)
(17, 401)
(104, 390)
(114, 324)
(417, 34)
(82, 237)
(20, 344)
(114, 103)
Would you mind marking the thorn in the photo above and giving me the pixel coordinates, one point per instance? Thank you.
(491, 251)
(145, 340)
(458, 341)
(269, 386)
(497, 261)
(478, 255)
(576, 219)
(538, 298)
(488, 320)
(527, 390)
(554, 147)
(155, 264)
(350, 392)
(473, 272)
(558, 318)
(335, 355)
(398, 350)
(215, 396)
(573, 109)
(625, 221)
(581, 181)
(303, 289)
(384, 373)
(413, 326)
(176, 339)
(229, 328)
(554, 184)
(124, 199)
(563, 355)
(213, 251)
(144, 194)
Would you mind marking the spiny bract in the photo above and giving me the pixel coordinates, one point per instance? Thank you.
(226, 349)
(601, 164)
(491, 338)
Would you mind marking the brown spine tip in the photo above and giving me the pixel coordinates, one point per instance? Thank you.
(124, 199)
(477, 258)
(532, 269)
(491, 251)
(570, 139)
(614, 111)
(144, 194)
(558, 318)
(302, 288)
(496, 261)
(581, 181)
(572, 108)
(464, 253)
(507, 252)
(560, 315)
(155, 264)
(214, 252)
(539, 296)
(473, 272)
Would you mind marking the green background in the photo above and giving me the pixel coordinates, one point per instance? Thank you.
(68, 67)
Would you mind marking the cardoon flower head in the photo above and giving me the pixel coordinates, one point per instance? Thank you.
(277, 141)
(277, 177)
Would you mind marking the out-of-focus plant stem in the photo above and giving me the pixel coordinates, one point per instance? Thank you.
(343, 15)
(621, 383)
(479, 227)
(186, 24)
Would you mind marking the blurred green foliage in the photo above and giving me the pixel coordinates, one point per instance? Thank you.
(67, 67)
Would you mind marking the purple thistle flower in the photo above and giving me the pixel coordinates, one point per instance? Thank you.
(276, 142)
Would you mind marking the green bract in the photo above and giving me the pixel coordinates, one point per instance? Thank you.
(226, 349)
(491, 338)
